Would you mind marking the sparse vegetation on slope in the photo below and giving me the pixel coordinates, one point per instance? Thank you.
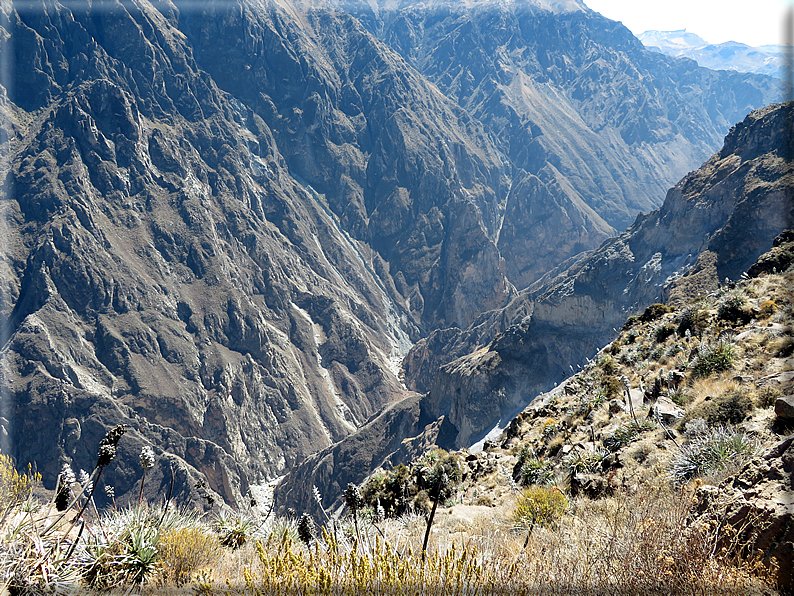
(604, 485)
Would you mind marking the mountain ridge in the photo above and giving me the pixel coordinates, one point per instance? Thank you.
(539, 92)
(729, 55)
(225, 222)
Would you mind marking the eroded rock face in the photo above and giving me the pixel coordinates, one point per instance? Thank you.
(543, 78)
(477, 378)
(225, 223)
(223, 226)
(759, 504)
(713, 225)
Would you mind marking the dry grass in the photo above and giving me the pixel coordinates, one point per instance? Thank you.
(641, 543)
(633, 544)
(711, 387)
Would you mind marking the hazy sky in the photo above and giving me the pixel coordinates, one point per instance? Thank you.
(754, 22)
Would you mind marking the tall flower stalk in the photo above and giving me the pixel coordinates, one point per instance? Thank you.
(147, 461)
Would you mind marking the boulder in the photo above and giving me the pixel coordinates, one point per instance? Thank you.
(784, 407)
(593, 486)
(666, 411)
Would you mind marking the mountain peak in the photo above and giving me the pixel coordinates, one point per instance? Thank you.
(679, 39)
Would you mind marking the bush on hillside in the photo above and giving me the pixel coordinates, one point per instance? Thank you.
(654, 311)
(540, 505)
(403, 489)
(627, 433)
(536, 471)
(712, 359)
(734, 309)
(694, 318)
(662, 331)
(731, 408)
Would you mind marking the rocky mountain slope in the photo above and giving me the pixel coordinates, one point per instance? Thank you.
(586, 156)
(225, 223)
(698, 393)
(165, 266)
(713, 225)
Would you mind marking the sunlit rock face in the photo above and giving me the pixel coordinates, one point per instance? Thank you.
(596, 127)
(226, 223)
(225, 226)
(712, 226)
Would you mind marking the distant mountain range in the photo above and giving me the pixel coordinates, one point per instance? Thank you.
(730, 55)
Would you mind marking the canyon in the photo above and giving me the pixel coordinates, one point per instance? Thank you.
(258, 232)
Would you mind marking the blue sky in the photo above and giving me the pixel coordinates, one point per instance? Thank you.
(757, 22)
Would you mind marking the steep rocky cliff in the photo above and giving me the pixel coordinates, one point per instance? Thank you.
(713, 225)
(166, 262)
(596, 127)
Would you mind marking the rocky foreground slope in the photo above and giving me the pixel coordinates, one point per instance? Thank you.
(712, 226)
(225, 223)
(697, 394)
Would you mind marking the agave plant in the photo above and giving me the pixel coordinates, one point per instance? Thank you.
(233, 529)
(711, 449)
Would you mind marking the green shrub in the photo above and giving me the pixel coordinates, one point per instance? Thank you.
(402, 488)
(731, 408)
(540, 505)
(654, 311)
(611, 387)
(608, 365)
(393, 490)
(630, 322)
(233, 529)
(535, 471)
(712, 359)
(694, 318)
(662, 331)
(630, 357)
(550, 428)
(127, 551)
(733, 308)
(767, 396)
(680, 397)
(584, 462)
(627, 433)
